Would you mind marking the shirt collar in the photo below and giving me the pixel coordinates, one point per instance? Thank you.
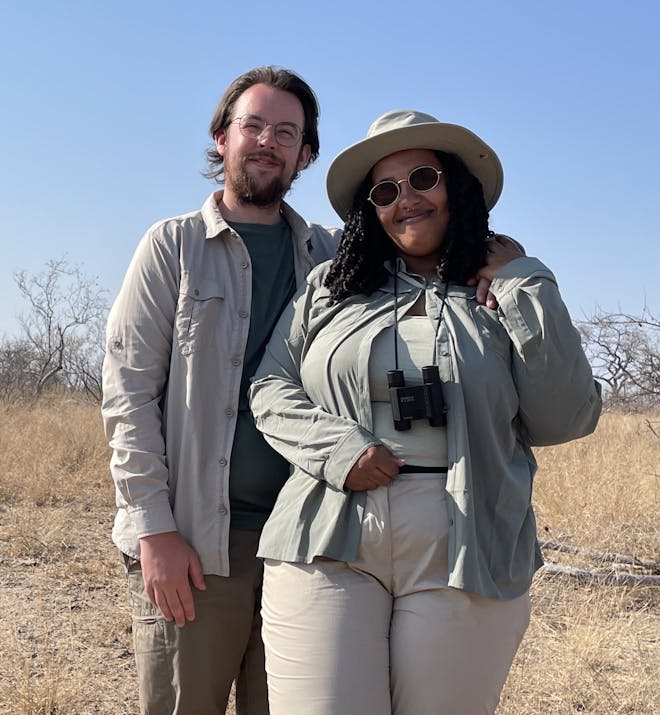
(407, 279)
(216, 224)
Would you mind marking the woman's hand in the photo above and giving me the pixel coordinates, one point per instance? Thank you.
(376, 467)
(500, 251)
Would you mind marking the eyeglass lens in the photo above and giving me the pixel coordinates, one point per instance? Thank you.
(421, 178)
(286, 133)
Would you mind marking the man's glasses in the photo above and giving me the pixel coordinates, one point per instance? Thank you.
(420, 179)
(286, 133)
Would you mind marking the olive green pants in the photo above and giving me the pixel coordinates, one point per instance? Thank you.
(190, 670)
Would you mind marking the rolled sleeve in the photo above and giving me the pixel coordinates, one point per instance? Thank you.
(135, 369)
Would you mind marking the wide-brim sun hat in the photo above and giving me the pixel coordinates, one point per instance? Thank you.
(409, 129)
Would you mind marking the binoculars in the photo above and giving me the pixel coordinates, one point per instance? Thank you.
(417, 402)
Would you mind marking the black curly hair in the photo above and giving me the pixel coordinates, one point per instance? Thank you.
(359, 264)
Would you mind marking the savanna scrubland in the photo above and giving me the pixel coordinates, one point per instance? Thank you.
(593, 645)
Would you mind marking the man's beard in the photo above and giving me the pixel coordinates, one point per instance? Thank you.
(252, 192)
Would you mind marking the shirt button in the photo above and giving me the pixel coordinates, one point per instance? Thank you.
(245, 265)
(229, 412)
(196, 291)
(222, 509)
(243, 314)
(451, 522)
(223, 462)
(235, 362)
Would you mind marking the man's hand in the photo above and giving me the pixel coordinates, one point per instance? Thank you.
(376, 467)
(483, 294)
(169, 565)
(501, 250)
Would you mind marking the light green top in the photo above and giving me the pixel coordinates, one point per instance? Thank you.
(422, 444)
(512, 378)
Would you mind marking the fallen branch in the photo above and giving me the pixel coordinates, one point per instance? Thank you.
(609, 556)
(610, 578)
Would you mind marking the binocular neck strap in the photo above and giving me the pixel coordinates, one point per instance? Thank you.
(396, 319)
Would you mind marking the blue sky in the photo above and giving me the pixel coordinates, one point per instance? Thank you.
(105, 109)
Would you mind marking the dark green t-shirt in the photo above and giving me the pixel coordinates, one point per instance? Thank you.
(257, 471)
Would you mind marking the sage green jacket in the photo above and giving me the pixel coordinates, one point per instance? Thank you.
(512, 378)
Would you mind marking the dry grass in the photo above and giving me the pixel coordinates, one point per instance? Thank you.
(65, 633)
(604, 490)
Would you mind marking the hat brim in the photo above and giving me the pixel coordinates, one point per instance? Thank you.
(351, 166)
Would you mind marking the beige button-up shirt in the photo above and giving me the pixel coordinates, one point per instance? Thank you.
(176, 338)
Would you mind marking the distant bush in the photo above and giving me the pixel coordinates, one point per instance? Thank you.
(61, 334)
(624, 351)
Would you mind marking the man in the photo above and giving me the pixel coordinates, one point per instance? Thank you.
(187, 331)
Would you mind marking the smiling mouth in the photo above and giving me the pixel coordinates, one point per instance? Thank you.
(267, 160)
(414, 216)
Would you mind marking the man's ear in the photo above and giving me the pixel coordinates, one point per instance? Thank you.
(220, 141)
(303, 159)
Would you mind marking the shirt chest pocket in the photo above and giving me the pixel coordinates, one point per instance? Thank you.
(495, 338)
(199, 312)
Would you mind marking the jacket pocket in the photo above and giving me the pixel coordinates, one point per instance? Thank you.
(198, 313)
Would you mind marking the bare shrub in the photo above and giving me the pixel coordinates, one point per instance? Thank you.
(62, 330)
(624, 351)
(17, 370)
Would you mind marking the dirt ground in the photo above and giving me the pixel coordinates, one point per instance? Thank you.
(66, 626)
(67, 647)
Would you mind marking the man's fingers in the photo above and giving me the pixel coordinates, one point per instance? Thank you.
(482, 290)
(176, 606)
(159, 600)
(491, 301)
(196, 573)
(187, 607)
(176, 611)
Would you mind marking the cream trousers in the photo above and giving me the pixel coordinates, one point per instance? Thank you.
(384, 635)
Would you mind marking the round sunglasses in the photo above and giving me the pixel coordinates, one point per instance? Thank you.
(420, 179)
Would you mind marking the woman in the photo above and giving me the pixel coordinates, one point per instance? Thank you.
(400, 552)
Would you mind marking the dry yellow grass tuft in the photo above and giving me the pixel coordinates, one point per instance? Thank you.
(604, 490)
(65, 633)
(53, 452)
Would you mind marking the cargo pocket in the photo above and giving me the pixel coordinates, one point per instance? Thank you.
(155, 643)
(198, 313)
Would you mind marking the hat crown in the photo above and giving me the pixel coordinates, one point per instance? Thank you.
(397, 119)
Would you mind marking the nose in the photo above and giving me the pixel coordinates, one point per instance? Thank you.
(267, 136)
(406, 193)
